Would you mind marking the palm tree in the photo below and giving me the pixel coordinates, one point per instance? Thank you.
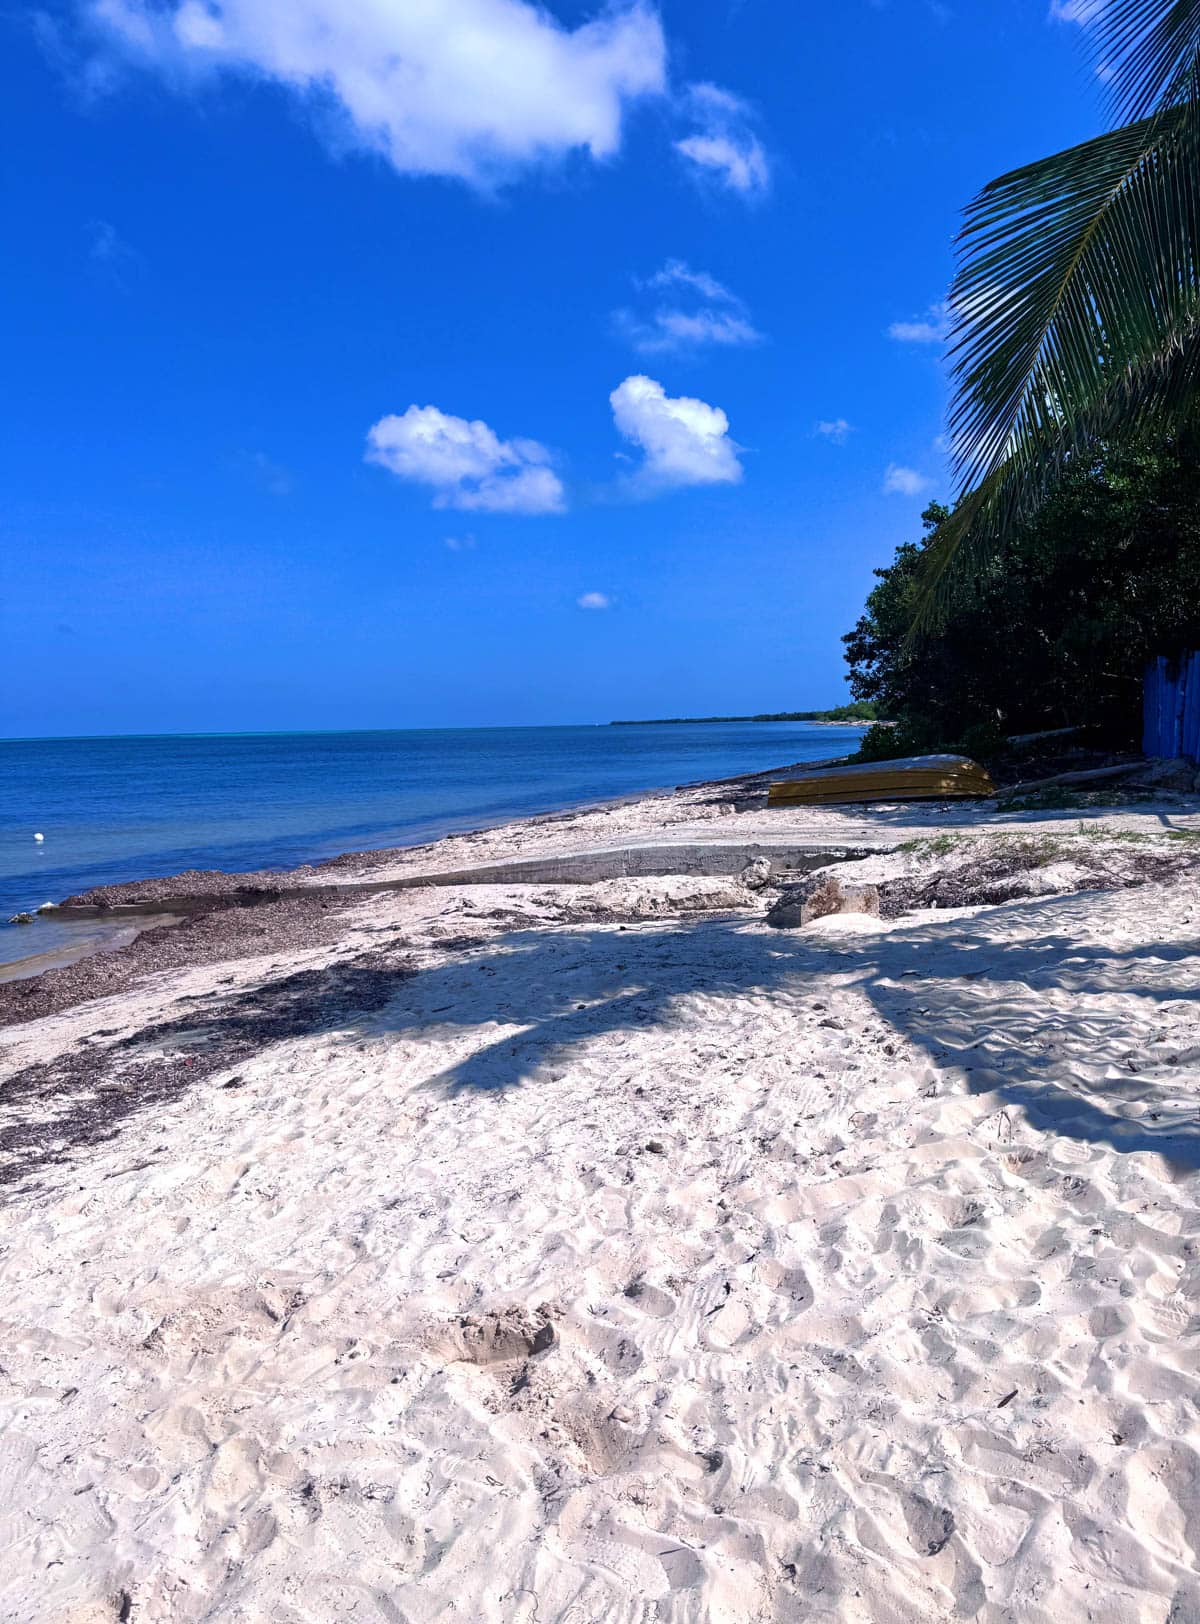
(1077, 299)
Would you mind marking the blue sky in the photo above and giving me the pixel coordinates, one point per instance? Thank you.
(389, 363)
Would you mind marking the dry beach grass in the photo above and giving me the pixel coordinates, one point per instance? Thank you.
(599, 1253)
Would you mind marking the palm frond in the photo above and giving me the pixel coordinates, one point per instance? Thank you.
(1148, 53)
(1073, 271)
(1077, 299)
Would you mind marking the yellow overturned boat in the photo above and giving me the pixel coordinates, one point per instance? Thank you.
(911, 778)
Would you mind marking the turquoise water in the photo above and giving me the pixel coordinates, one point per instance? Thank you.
(128, 808)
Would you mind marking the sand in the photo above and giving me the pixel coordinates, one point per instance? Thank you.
(599, 1253)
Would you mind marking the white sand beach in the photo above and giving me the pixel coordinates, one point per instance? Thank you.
(599, 1253)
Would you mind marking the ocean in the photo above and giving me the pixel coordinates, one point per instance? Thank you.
(129, 808)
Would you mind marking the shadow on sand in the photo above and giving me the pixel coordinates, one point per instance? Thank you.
(1037, 1018)
(1042, 1022)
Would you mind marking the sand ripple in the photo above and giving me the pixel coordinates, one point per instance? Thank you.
(680, 1270)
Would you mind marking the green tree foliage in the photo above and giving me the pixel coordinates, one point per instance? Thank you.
(858, 711)
(1054, 633)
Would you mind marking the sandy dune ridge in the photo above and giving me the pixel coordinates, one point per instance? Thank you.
(599, 1254)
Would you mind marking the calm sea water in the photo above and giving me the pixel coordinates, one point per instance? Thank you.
(127, 808)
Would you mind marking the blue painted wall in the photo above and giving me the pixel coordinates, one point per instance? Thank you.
(1172, 707)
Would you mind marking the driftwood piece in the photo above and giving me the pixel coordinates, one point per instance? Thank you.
(1049, 733)
(1089, 775)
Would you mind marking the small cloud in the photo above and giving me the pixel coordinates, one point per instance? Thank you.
(270, 475)
(109, 252)
(836, 429)
(668, 331)
(724, 148)
(466, 463)
(900, 481)
(594, 600)
(460, 544)
(932, 328)
(683, 441)
(709, 314)
(1083, 12)
(740, 166)
(105, 244)
(678, 273)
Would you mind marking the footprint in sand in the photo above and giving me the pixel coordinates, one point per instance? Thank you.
(730, 1324)
(650, 1299)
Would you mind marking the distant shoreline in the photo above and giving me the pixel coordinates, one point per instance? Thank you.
(841, 716)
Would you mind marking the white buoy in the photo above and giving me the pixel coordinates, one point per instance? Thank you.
(39, 837)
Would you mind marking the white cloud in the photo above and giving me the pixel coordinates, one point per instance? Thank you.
(710, 314)
(110, 255)
(932, 328)
(740, 165)
(594, 600)
(684, 441)
(106, 245)
(460, 544)
(678, 273)
(692, 329)
(1082, 12)
(836, 429)
(271, 475)
(900, 481)
(724, 147)
(466, 463)
(470, 88)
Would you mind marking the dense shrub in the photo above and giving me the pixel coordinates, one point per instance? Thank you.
(1054, 633)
